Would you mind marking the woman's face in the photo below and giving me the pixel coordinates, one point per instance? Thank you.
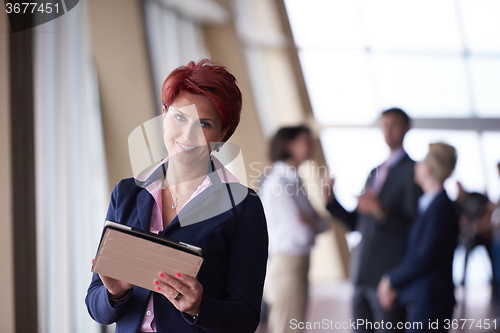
(190, 124)
(301, 148)
(422, 172)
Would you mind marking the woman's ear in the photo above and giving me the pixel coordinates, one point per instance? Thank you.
(428, 170)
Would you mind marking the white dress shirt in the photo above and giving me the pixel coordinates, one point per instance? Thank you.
(426, 199)
(285, 200)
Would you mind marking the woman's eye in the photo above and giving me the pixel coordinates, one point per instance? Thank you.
(180, 117)
(205, 124)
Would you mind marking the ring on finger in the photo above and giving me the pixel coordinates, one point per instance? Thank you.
(178, 297)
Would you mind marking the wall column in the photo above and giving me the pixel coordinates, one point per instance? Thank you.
(119, 45)
(6, 242)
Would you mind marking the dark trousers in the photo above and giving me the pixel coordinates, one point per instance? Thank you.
(365, 306)
(429, 314)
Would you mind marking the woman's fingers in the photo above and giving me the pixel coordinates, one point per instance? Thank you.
(182, 302)
(175, 283)
(114, 286)
(166, 290)
(184, 291)
(171, 293)
(189, 281)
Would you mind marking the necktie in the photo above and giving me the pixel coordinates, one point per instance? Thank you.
(380, 177)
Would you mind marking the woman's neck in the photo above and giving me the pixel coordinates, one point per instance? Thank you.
(292, 163)
(184, 179)
(431, 186)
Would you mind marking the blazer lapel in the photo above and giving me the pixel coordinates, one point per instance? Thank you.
(144, 208)
(205, 205)
(211, 202)
(392, 173)
(145, 200)
(436, 201)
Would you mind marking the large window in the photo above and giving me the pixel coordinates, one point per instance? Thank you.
(174, 34)
(439, 60)
(435, 59)
(71, 176)
(432, 58)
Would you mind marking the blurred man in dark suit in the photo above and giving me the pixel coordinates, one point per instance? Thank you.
(383, 216)
(476, 227)
(495, 250)
(423, 280)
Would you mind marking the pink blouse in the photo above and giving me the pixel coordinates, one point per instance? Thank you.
(156, 226)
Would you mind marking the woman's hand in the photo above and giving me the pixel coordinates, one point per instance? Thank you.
(184, 292)
(116, 288)
(307, 219)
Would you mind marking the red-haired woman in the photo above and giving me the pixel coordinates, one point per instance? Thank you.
(191, 197)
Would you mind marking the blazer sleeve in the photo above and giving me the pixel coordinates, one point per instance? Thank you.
(247, 260)
(100, 308)
(421, 259)
(406, 209)
(349, 219)
(338, 211)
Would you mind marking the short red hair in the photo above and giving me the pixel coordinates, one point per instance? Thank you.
(212, 81)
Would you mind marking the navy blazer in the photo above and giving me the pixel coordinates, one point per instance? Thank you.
(425, 274)
(234, 244)
(382, 243)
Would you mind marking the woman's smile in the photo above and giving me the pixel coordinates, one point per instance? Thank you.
(186, 147)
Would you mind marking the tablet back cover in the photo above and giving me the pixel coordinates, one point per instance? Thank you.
(138, 261)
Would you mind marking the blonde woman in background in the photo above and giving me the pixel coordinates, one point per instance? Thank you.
(423, 280)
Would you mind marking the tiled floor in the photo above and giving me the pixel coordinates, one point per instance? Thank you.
(331, 302)
(474, 303)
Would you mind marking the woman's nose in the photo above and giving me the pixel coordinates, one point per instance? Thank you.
(193, 132)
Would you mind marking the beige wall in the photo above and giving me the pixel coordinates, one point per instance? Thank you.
(330, 256)
(120, 54)
(290, 106)
(6, 246)
(224, 47)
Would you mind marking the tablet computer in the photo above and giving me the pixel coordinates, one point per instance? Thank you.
(137, 256)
